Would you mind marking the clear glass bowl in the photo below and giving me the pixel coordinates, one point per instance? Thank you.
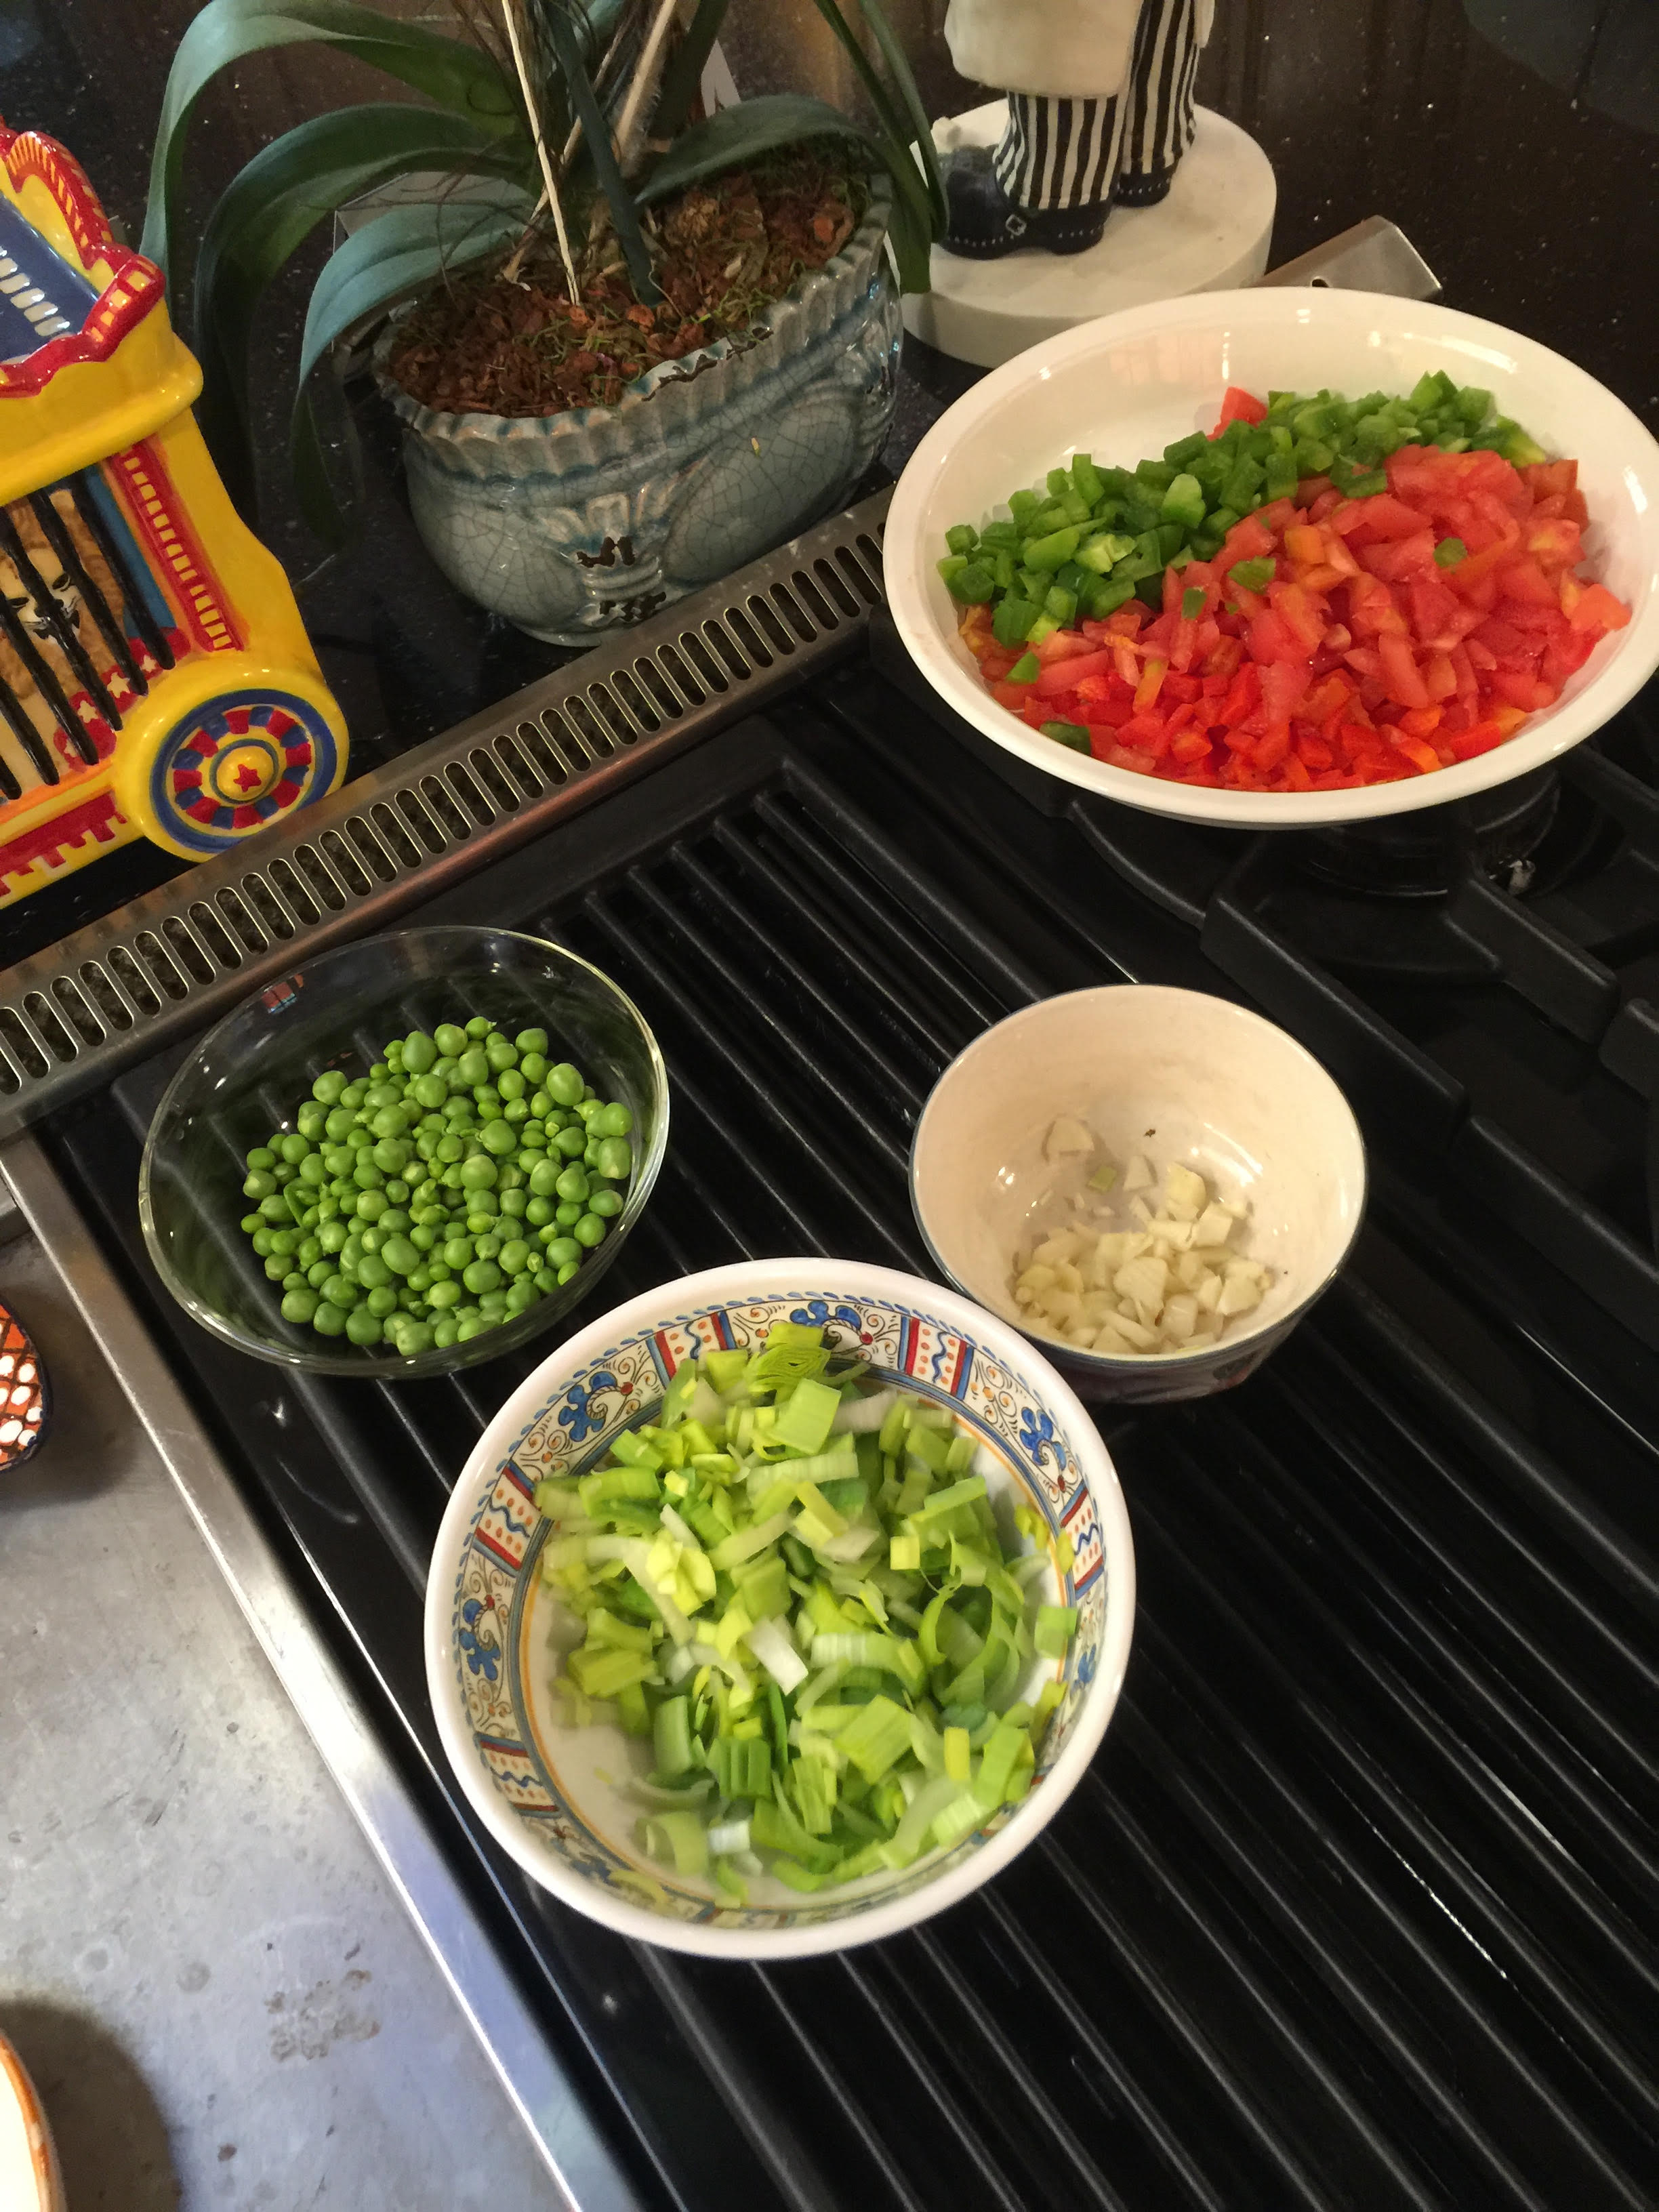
(250, 1076)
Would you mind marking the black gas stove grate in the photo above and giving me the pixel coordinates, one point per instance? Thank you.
(1356, 1906)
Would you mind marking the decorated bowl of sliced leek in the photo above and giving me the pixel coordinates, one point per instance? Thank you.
(779, 1608)
(1155, 1184)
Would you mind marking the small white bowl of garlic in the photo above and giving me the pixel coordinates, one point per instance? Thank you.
(1154, 1184)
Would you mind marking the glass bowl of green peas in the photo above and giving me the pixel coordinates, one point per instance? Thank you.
(415, 1153)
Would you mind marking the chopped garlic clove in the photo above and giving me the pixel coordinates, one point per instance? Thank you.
(1180, 1316)
(1067, 1138)
(1208, 1290)
(1137, 1335)
(1185, 1195)
(1215, 1225)
(1238, 1294)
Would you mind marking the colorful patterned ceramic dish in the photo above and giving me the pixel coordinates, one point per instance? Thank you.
(552, 1795)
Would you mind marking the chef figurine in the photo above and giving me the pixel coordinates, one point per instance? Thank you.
(1100, 111)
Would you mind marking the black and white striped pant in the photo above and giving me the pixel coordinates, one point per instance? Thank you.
(1072, 153)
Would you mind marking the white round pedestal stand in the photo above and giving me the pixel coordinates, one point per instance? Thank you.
(1211, 232)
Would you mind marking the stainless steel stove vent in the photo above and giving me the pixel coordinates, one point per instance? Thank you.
(72, 1017)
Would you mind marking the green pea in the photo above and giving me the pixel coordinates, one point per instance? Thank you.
(541, 1106)
(423, 1239)
(284, 1241)
(311, 1121)
(313, 1170)
(373, 1271)
(615, 1159)
(515, 1113)
(492, 1305)
(354, 1247)
(275, 1208)
(568, 1213)
(450, 1148)
(458, 1252)
(381, 1301)
(450, 1041)
(362, 1327)
(277, 1267)
(563, 1252)
(573, 1183)
(442, 1296)
(260, 1160)
(329, 1320)
(482, 1275)
(445, 1332)
(339, 1292)
(589, 1230)
(252, 1223)
(538, 1212)
(482, 1221)
(521, 1297)
(261, 1183)
(400, 1254)
(514, 1203)
(419, 1282)
(532, 1065)
(569, 1268)
(353, 1095)
(390, 1122)
(479, 1027)
(497, 1137)
(514, 1256)
(318, 1272)
(415, 1339)
(457, 1109)
(533, 1144)
(570, 1144)
(500, 1054)
(419, 1052)
(295, 1148)
(564, 1084)
(371, 1205)
(510, 1084)
(486, 1246)
(339, 1122)
(472, 1327)
(299, 1306)
(487, 1109)
(478, 1173)
(607, 1204)
(365, 1174)
(429, 1092)
(473, 1066)
(332, 1235)
(614, 1121)
(544, 1179)
(328, 1086)
(545, 1280)
(588, 1109)
(391, 1155)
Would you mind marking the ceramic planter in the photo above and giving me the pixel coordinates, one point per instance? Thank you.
(570, 525)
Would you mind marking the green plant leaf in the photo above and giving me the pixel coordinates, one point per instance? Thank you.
(553, 17)
(270, 208)
(898, 69)
(910, 185)
(684, 75)
(399, 254)
(459, 77)
(733, 135)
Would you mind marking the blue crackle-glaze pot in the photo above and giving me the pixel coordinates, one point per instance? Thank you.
(574, 524)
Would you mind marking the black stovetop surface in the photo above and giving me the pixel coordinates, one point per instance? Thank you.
(1356, 1905)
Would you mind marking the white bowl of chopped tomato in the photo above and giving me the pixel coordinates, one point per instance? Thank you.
(1444, 572)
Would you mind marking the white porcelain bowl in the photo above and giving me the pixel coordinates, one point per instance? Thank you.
(552, 1795)
(1123, 388)
(1175, 1076)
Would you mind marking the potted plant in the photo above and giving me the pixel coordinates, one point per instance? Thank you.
(634, 344)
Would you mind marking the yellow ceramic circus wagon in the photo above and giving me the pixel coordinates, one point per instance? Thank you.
(155, 679)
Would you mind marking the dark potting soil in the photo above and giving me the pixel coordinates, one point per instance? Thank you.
(725, 252)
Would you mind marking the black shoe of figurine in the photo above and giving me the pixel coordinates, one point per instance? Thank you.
(1144, 190)
(985, 224)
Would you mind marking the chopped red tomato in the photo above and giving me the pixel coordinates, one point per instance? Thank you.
(1360, 658)
(1240, 406)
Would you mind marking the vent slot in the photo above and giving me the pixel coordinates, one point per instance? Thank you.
(72, 1017)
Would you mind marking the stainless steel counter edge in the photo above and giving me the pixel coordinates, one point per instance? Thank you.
(580, 2163)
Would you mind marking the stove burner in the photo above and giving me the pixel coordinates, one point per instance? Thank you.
(1422, 855)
